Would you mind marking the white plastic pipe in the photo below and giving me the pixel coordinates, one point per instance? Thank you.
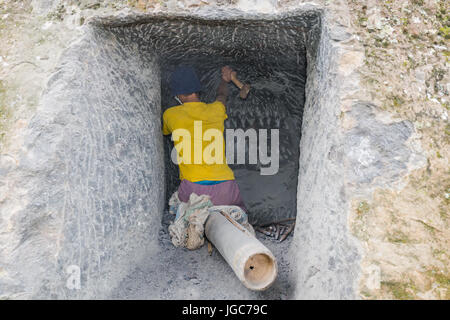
(250, 260)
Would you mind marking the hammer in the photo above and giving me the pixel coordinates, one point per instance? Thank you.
(244, 88)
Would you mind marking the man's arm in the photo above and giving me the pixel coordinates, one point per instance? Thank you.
(222, 91)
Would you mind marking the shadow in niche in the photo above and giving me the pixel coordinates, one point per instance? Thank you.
(271, 56)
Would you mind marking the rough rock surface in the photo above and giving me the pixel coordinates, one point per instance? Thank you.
(79, 209)
(82, 178)
(404, 230)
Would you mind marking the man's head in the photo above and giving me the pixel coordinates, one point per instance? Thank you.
(185, 84)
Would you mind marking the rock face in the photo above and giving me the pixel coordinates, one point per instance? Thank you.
(326, 257)
(92, 168)
(93, 175)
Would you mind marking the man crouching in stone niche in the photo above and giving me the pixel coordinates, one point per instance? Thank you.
(192, 120)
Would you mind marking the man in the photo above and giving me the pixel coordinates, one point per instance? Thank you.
(216, 179)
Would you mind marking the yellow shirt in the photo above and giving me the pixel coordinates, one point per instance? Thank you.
(188, 116)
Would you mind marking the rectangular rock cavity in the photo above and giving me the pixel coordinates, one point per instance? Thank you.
(271, 55)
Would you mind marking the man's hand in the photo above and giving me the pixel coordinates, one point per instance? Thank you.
(226, 73)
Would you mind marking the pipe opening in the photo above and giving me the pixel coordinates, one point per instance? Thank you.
(260, 271)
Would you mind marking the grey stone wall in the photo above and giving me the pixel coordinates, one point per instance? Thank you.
(91, 175)
(349, 147)
(326, 258)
